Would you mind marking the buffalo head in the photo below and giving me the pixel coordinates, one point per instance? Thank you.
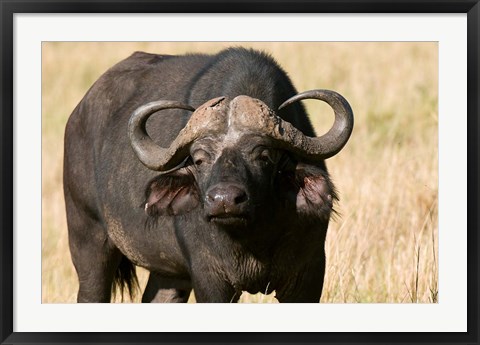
(239, 162)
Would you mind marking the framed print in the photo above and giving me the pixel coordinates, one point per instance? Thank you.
(223, 195)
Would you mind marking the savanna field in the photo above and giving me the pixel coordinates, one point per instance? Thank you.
(382, 247)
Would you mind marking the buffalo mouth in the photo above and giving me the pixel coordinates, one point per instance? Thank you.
(228, 219)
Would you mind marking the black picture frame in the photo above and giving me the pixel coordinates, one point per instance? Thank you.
(9, 7)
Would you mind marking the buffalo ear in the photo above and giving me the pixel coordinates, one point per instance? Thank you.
(311, 191)
(171, 194)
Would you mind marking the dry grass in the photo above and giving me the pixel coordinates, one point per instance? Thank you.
(383, 247)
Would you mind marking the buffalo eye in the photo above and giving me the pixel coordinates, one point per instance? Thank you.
(200, 156)
(265, 154)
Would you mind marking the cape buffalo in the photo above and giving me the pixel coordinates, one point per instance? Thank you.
(205, 170)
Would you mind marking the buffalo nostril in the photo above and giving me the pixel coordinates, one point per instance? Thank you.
(240, 198)
(234, 195)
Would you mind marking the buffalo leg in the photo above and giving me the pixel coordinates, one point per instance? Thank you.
(94, 256)
(162, 290)
(209, 288)
(305, 287)
(95, 263)
(215, 294)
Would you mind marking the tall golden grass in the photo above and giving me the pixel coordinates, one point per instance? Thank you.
(383, 246)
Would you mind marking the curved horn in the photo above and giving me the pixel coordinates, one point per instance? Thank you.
(150, 154)
(334, 140)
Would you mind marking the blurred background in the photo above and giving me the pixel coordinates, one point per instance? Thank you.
(383, 246)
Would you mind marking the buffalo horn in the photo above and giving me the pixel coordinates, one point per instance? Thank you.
(150, 154)
(334, 140)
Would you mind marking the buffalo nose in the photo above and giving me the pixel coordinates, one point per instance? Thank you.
(226, 199)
